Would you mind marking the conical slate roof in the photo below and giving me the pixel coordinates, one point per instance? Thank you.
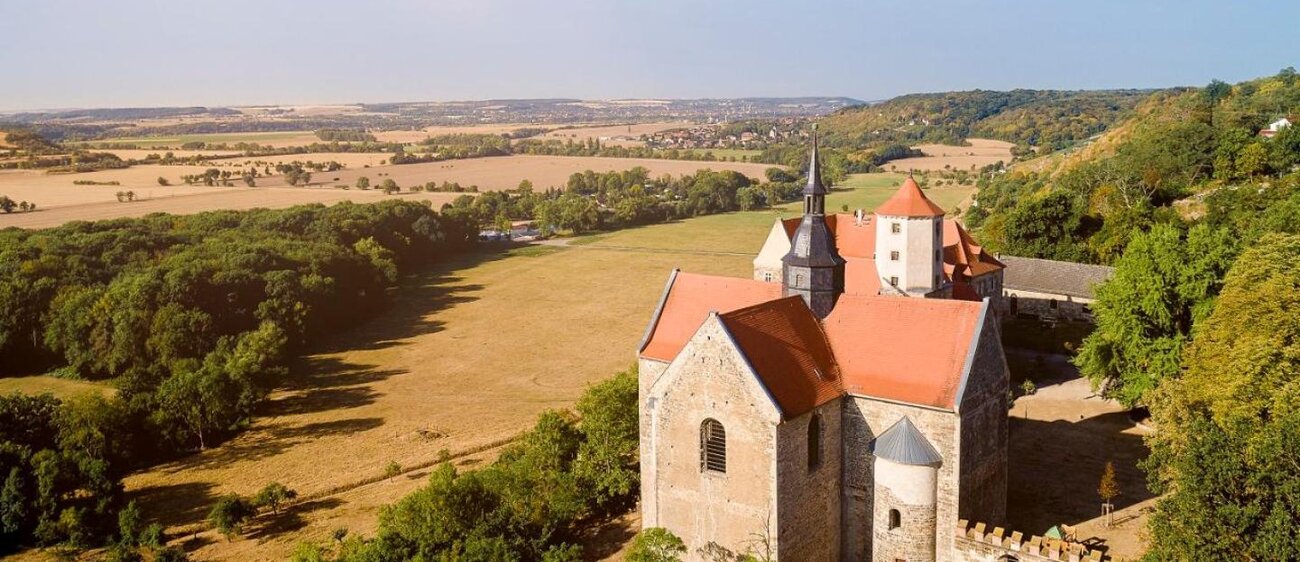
(815, 186)
(904, 444)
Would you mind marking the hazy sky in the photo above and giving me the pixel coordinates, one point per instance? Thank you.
(114, 53)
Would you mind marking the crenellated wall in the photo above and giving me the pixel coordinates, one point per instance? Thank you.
(976, 543)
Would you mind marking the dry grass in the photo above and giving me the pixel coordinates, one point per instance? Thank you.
(980, 153)
(469, 355)
(59, 201)
(409, 136)
(606, 132)
(59, 387)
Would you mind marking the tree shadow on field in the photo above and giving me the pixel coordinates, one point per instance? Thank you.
(1056, 467)
(289, 519)
(174, 504)
(272, 440)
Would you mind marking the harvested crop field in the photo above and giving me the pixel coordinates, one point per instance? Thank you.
(142, 153)
(614, 135)
(198, 200)
(938, 157)
(412, 136)
(279, 138)
(59, 200)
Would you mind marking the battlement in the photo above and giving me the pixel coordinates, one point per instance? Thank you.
(976, 543)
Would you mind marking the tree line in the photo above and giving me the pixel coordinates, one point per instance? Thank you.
(191, 319)
(533, 503)
(1198, 322)
(593, 201)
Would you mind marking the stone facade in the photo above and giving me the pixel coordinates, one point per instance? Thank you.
(983, 437)
(980, 543)
(903, 526)
(808, 501)
(1046, 306)
(709, 379)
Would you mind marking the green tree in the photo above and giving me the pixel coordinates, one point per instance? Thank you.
(1226, 454)
(363, 182)
(389, 186)
(1050, 227)
(656, 544)
(1163, 285)
(6, 204)
(163, 181)
(273, 495)
(607, 458)
(229, 515)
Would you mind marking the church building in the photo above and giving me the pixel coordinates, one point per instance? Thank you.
(847, 403)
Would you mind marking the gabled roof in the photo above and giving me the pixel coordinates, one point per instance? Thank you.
(686, 303)
(962, 257)
(856, 243)
(903, 443)
(909, 201)
(904, 349)
(1054, 277)
(784, 344)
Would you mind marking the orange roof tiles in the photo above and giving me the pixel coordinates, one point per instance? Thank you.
(909, 201)
(689, 299)
(856, 243)
(904, 349)
(786, 347)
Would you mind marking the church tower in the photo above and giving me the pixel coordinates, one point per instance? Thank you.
(909, 243)
(813, 269)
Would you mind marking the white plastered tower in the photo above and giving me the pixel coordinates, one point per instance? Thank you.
(909, 243)
(905, 492)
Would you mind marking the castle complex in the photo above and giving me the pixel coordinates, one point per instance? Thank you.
(848, 403)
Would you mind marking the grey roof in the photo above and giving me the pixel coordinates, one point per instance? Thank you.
(1053, 277)
(815, 186)
(904, 444)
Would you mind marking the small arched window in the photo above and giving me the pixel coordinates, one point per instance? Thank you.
(814, 442)
(713, 447)
(895, 519)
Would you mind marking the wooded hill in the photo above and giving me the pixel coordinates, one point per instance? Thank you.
(1182, 157)
(1051, 119)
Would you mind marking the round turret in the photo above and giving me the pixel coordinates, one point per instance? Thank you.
(906, 473)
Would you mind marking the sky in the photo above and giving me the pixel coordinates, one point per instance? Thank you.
(135, 53)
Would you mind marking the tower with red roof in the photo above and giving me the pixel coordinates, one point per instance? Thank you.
(909, 243)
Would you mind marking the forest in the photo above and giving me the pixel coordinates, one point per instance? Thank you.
(593, 201)
(1051, 119)
(191, 319)
(1198, 215)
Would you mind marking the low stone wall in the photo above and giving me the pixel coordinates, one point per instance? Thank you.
(975, 543)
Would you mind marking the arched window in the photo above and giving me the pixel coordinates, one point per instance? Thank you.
(814, 442)
(713, 447)
(895, 519)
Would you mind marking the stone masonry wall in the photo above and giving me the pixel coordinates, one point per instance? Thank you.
(1046, 306)
(976, 543)
(984, 431)
(864, 418)
(902, 543)
(709, 379)
(809, 499)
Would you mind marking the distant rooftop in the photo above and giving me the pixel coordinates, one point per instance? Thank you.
(1055, 277)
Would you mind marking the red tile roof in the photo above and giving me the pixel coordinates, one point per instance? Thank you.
(909, 201)
(906, 349)
(896, 348)
(787, 349)
(689, 299)
(857, 244)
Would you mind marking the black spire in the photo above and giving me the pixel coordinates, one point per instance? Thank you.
(813, 269)
(814, 186)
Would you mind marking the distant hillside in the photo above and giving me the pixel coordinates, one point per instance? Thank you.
(1051, 119)
(1180, 156)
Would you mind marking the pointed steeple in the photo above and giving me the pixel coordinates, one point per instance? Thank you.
(815, 186)
(813, 269)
